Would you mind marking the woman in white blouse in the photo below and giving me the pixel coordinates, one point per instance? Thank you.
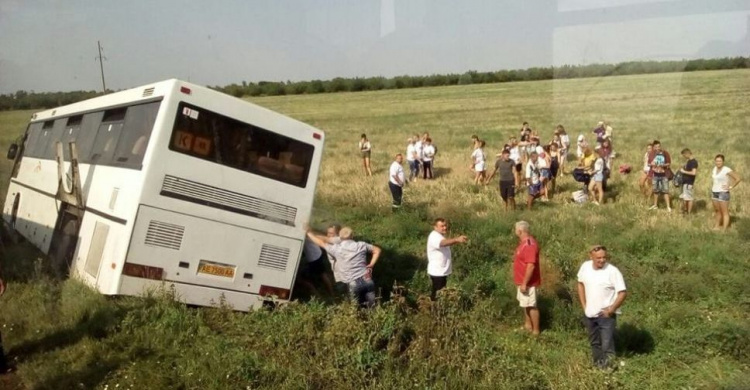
(478, 159)
(722, 177)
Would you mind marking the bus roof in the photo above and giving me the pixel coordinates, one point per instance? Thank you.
(148, 92)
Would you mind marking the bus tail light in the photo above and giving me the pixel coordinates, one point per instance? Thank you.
(267, 291)
(143, 271)
(185, 90)
(317, 136)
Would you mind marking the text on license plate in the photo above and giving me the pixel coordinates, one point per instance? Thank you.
(216, 269)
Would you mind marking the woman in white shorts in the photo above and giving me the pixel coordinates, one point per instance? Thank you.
(478, 159)
(722, 175)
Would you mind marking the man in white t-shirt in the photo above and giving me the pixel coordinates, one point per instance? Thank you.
(396, 180)
(601, 291)
(439, 259)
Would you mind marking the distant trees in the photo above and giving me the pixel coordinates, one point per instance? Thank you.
(33, 100)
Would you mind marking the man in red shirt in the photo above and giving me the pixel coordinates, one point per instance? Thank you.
(526, 275)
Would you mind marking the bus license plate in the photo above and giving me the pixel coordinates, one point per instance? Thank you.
(216, 270)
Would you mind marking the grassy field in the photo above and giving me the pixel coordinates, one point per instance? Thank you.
(684, 324)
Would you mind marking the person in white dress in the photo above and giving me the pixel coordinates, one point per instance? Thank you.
(479, 160)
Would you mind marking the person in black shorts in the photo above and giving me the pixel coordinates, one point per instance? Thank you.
(506, 167)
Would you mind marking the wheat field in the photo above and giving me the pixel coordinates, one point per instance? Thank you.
(684, 324)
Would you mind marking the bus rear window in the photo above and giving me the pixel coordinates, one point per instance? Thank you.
(226, 141)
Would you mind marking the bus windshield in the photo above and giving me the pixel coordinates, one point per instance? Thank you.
(210, 136)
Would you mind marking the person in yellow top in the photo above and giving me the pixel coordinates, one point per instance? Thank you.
(587, 160)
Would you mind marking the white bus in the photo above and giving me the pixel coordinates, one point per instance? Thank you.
(170, 184)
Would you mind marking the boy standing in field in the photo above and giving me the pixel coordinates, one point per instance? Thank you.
(659, 161)
(688, 180)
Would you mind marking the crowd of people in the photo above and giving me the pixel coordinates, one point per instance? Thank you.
(526, 161)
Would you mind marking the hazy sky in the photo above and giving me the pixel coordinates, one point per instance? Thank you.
(50, 45)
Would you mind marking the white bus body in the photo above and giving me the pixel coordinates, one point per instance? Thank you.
(180, 186)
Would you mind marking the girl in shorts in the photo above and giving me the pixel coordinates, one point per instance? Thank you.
(724, 179)
(365, 151)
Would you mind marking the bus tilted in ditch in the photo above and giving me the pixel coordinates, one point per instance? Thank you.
(170, 184)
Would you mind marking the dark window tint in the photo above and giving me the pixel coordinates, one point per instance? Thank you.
(139, 122)
(70, 133)
(85, 137)
(107, 135)
(213, 137)
(32, 139)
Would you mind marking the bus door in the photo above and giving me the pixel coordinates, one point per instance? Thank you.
(65, 238)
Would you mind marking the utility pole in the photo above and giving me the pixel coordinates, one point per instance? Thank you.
(101, 66)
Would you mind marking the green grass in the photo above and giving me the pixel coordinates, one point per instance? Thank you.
(684, 324)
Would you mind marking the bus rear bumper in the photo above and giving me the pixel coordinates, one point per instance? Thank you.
(193, 294)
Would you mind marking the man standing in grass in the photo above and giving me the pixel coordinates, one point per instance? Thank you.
(688, 180)
(396, 180)
(659, 160)
(507, 169)
(526, 275)
(601, 291)
(439, 264)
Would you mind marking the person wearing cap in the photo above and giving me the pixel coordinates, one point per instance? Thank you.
(508, 178)
(526, 275)
(601, 292)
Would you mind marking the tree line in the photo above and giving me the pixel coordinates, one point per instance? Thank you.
(22, 100)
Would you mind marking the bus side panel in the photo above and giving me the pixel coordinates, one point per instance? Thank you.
(36, 215)
(102, 247)
(189, 248)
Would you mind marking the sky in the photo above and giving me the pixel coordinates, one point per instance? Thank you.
(51, 45)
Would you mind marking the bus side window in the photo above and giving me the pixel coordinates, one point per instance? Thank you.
(32, 140)
(87, 133)
(107, 135)
(55, 135)
(133, 140)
